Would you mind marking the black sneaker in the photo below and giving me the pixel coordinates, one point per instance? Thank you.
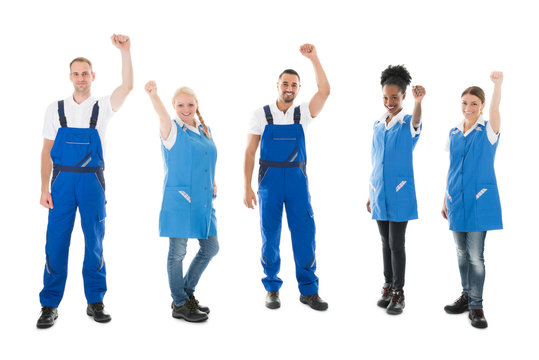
(478, 319)
(459, 306)
(396, 305)
(189, 312)
(97, 311)
(47, 317)
(314, 301)
(272, 300)
(386, 296)
(202, 308)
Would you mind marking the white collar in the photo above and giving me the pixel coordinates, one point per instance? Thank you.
(399, 117)
(181, 123)
(480, 121)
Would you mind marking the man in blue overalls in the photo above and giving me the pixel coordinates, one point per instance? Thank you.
(72, 149)
(279, 128)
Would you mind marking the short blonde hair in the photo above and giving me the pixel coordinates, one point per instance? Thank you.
(81, 59)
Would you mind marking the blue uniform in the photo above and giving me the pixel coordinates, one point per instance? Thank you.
(392, 187)
(77, 181)
(282, 180)
(187, 209)
(472, 199)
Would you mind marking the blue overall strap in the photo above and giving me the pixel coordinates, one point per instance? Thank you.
(61, 114)
(269, 117)
(297, 115)
(95, 114)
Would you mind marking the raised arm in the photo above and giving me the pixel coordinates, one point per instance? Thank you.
(497, 79)
(319, 99)
(164, 119)
(119, 95)
(46, 168)
(418, 92)
(250, 153)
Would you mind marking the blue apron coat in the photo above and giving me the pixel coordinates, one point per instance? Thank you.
(77, 181)
(392, 187)
(187, 209)
(472, 199)
(282, 180)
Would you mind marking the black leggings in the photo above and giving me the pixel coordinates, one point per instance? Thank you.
(393, 234)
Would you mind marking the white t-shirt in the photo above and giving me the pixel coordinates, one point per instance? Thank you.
(78, 116)
(258, 121)
(492, 136)
(171, 140)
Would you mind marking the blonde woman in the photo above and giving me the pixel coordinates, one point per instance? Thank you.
(187, 209)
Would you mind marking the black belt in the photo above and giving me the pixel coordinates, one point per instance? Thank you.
(78, 169)
(283, 164)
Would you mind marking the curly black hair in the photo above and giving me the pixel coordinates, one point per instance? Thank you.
(396, 75)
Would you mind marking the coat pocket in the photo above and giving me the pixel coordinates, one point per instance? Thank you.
(177, 199)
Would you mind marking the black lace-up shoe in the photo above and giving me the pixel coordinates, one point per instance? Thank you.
(396, 305)
(478, 319)
(314, 301)
(47, 317)
(272, 300)
(189, 312)
(459, 306)
(386, 296)
(97, 311)
(202, 308)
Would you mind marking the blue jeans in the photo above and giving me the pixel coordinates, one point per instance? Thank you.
(470, 247)
(182, 287)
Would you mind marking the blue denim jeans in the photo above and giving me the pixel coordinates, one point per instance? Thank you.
(181, 287)
(470, 247)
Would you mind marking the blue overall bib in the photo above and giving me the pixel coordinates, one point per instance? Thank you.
(472, 199)
(187, 209)
(283, 179)
(392, 187)
(77, 181)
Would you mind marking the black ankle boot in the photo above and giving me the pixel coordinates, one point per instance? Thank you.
(396, 305)
(459, 306)
(386, 296)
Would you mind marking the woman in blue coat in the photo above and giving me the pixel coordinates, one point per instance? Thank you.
(471, 202)
(187, 210)
(392, 199)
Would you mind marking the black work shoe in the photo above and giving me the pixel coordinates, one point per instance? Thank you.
(47, 317)
(478, 319)
(314, 301)
(396, 305)
(97, 310)
(188, 312)
(204, 309)
(386, 296)
(459, 306)
(272, 300)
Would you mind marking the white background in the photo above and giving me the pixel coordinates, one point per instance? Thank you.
(230, 53)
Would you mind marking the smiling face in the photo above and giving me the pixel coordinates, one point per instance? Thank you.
(393, 98)
(81, 76)
(471, 107)
(288, 87)
(186, 108)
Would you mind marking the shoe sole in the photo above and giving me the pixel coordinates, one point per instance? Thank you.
(453, 312)
(395, 311)
(273, 305)
(187, 319)
(323, 308)
(98, 320)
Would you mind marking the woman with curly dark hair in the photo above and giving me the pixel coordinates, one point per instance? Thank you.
(392, 201)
